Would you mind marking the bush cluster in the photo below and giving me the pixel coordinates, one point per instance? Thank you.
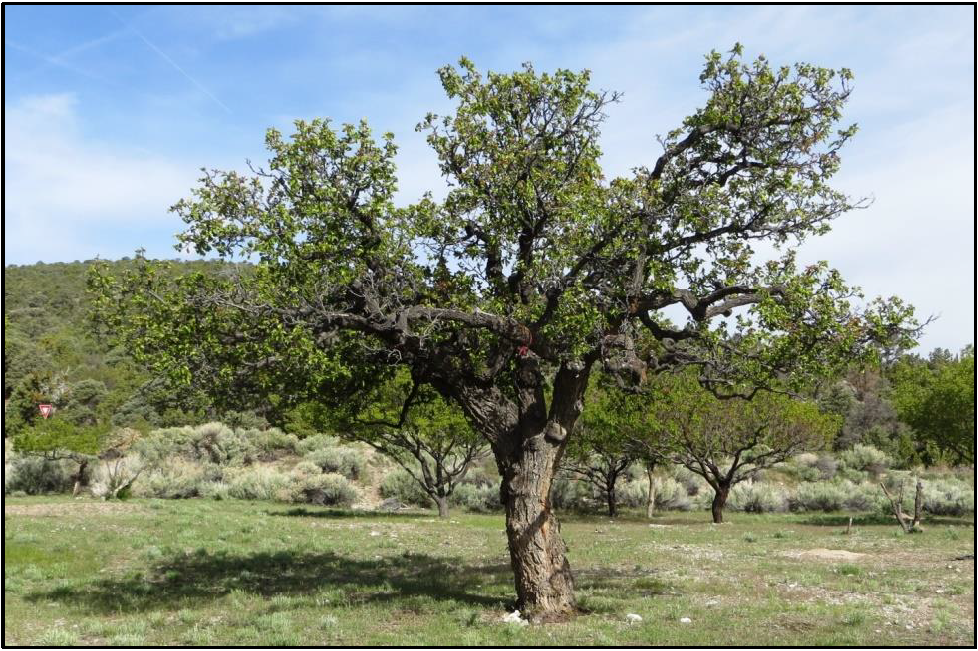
(220, 462)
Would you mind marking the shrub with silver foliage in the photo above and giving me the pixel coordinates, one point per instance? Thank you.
(758, 497)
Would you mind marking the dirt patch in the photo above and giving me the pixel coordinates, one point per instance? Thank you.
(832, 555)
(76, 508)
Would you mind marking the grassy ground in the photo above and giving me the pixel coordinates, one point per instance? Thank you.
(199, 572)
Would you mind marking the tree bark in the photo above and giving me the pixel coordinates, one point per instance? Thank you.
(719, 501)
(528, 440)
(79, 477)
(544, 583)
(442, 503)
(612, 501)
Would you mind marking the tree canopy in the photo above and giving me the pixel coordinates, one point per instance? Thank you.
(937, 399)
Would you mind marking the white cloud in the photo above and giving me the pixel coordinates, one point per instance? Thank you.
(65, 191)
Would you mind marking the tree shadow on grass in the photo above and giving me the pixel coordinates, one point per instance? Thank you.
(183, 578)
(868, 519)
(303, 512)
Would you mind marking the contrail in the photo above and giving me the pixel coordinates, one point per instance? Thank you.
(173, 63)
(181, 71)
(56, 60)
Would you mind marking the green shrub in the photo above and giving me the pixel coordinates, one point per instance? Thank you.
(948, 497)
(272, 442)
(218, 443)
(317, 442)
(36, 476)
(803, 473)
(210, 442)
(480, 498)
(400, 485)
(178, 479)
(865, 458)
(820, 496)
(330, 489)
(827, 466)
(757, 497)
(256, 483)
(632, 493)
(671, 495)
(694, 484)
(571, 494)
(864, 496)
(215, 490)
(346, 461)
(111, 475)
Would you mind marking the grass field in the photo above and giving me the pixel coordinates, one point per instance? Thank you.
(204, 572)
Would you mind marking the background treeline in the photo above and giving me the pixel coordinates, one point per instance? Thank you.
(909, 412)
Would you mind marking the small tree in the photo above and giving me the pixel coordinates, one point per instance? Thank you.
(603, 449)
(729, 441)
(599, 457)
(416, 428)
(55, 439)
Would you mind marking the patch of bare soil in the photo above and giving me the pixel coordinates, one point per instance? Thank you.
(71, 508)
(832, 554)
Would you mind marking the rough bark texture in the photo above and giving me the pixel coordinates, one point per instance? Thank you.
(528, 443)
(544, 583)
(719, 501)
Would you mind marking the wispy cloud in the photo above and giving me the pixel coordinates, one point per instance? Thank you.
(67, 192)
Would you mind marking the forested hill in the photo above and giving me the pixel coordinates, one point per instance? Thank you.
(49, 350)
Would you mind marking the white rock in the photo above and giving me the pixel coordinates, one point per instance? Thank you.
(632, 617)
(514, 618)
(685, 620)
(374, 533)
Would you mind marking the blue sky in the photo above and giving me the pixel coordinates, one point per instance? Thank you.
(109, 112)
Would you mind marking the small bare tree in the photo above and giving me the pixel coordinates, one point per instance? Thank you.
(908, 524)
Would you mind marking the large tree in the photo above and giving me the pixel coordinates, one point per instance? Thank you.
(533, 269)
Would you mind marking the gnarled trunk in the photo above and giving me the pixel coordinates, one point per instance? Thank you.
(719, 501)
(544, 583)
(528, 440)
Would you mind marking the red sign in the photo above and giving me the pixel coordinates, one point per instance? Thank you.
(46, 410)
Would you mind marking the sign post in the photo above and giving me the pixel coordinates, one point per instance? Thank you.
(46, 410)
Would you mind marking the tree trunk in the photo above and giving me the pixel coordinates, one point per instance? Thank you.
(79, 477)
(719, 500)
(544, 583)
(612, 501)
(650, 500)
(442, 503)
(528, 440)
